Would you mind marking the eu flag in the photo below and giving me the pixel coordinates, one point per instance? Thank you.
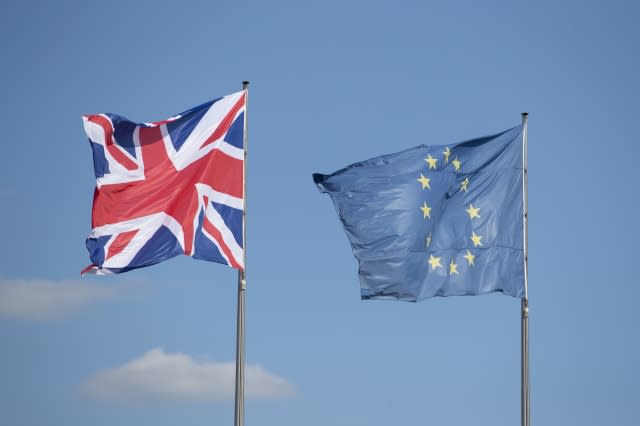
(437, 220)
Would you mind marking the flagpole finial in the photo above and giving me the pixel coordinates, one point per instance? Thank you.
(245, 84)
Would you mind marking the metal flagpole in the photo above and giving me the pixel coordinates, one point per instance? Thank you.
(242, 283)
(525, 411)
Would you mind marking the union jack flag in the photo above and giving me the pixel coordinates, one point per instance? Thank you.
(168, 188)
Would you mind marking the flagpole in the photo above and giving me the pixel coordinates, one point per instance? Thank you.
(242, 283)
(525, 411)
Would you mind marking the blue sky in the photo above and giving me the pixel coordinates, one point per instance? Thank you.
(331, 83)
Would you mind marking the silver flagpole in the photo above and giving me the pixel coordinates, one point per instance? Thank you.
(242, 283)
(525, 411)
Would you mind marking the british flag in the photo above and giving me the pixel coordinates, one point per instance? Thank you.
(168, 188)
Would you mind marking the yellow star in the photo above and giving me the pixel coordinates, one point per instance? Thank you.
(456, 163)
(476, 239)
(464, 185)
(473, 211)
(469, 257)
(447, 153)
(432, 161)
(424, 181)
(428, 240)
(426, 210)
(434, 262)
(453, 268)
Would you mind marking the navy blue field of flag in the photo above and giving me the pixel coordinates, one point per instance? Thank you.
(437, 220)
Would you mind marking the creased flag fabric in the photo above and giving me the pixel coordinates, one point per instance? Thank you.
(168, 188)
(436, 220)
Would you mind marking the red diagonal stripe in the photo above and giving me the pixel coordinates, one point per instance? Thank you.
(213, 231)
(113, 149)
(121, 241)
(226, 122)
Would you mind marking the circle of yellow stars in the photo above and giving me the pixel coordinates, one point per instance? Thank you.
(435, 262)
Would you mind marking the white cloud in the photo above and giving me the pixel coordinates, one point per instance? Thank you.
(158, 376)
(42, 299)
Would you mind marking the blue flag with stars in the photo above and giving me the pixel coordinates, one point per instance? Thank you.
(442, 220)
